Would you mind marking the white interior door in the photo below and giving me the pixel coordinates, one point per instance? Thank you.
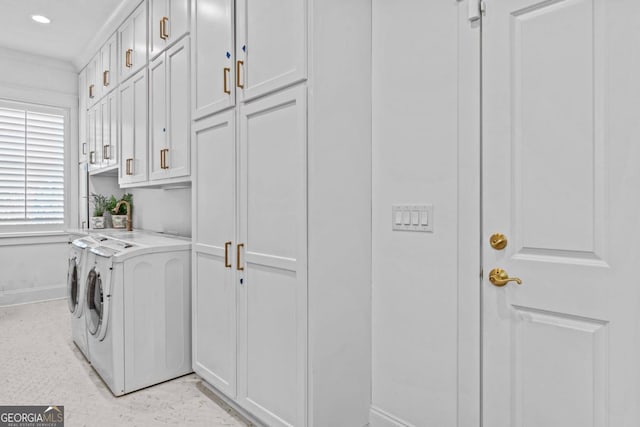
(214, 220)
(273, 288)
(560, 181)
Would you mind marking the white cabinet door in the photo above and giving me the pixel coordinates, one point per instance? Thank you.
(133, 129)
(93, 117)
(177, 159)
(91, 82)
(108, 70)
(168, 21)
(273, 292)
(213, 87)
(132, 42)
(214, 226)
(169, 123)
(109, 108)
(557, 182)
(157, 117)
(271, 45)
(83, 146)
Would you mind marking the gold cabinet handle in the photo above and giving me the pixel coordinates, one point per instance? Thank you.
(84, 148)
(163, 28)
(238, 263)
(92, 157)
(106, 152)
(498, 241)
(128, 164)
(225, 74)
(91, 95)
(227, 245)
(105, 78)
(127, 57)
(163, 158)
(238, 65)
(499, 277)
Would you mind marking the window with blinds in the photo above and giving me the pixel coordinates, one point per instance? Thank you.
(31, 165)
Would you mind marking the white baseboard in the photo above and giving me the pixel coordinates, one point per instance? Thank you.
(29, 295)
(381, 418)
(222, 400)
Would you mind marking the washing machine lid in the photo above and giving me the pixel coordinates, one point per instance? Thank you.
(85, 242)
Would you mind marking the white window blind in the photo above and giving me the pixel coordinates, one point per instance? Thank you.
(31, 166)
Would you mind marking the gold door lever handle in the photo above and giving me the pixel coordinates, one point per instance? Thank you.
(499, 277)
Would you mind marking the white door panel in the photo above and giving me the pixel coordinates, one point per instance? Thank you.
(272, 342)
(213, 78)
(177, 159)
(271, 44)
(157, 116)
(214, 220)
(557, 349)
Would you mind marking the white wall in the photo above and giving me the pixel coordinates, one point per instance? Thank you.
(422, 282)
(162, 210)
(34, 267)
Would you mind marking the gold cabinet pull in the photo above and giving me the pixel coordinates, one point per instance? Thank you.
(163, 28)
(92, 157)
(128, 164)
(163, 158)
(106, 152)
(499, 277)
(84, 148)
(225, 74)
(127, 58)
(498, 241)
(227, 264)
(238, 263)
(238, 65)
(105, 78)
(91, 94)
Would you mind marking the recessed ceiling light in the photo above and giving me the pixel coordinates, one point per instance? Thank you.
(41, 19)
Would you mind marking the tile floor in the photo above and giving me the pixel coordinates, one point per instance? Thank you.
(40, 365)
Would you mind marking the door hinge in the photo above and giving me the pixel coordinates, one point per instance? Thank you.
(483, 7)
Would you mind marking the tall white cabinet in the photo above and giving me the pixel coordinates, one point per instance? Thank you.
(281, 288)
(133, 129)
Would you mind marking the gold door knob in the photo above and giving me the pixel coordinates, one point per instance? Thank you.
(498, 241)
(499, 277)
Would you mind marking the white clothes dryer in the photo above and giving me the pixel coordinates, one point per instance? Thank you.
(138, 310)
(76, 286)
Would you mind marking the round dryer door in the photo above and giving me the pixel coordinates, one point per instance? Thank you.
(72, 284)
(95, 301)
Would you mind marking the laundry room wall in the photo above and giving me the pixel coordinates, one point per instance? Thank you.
(425, 152)
(34, 265)
(162, 210)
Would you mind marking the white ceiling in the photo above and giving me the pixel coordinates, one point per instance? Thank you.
(74, 24)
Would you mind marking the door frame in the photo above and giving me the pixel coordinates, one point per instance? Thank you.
(469, 217)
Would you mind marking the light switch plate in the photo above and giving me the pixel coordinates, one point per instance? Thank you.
(420, 218)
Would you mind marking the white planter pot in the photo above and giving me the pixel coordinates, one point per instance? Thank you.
(119, 221)
(97, 222)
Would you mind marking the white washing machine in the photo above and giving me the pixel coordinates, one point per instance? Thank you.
(139, 310)
(76, 286)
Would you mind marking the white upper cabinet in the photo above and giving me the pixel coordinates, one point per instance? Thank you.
(213, 87)
(93, 88)
(108, 71)
(270, 46)
(132, 43)
(168, 22)
(169, 119)
(109, 122)
(133, 129)
(83, 147)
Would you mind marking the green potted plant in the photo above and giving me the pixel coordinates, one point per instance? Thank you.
(119, 218)
(99, 206)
